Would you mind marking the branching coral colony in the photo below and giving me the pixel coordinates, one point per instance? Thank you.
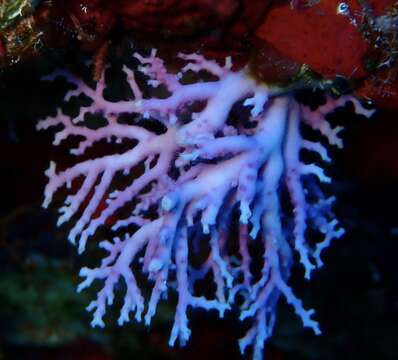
(200, 171)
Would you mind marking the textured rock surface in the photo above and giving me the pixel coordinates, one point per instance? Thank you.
(316, 36)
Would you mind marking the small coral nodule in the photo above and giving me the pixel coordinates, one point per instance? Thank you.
(199, 171)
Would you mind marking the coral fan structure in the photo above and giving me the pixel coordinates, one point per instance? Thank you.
(212, 155)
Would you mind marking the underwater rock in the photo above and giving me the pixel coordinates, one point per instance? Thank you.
(317, 36)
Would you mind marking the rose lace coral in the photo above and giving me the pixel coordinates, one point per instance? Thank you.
(200, 171)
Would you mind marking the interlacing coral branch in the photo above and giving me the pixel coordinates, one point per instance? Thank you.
(199, 172)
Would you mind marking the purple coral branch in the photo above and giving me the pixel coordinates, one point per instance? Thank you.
(197, 175)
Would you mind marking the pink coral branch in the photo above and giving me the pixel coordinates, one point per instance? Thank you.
(202, 175)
